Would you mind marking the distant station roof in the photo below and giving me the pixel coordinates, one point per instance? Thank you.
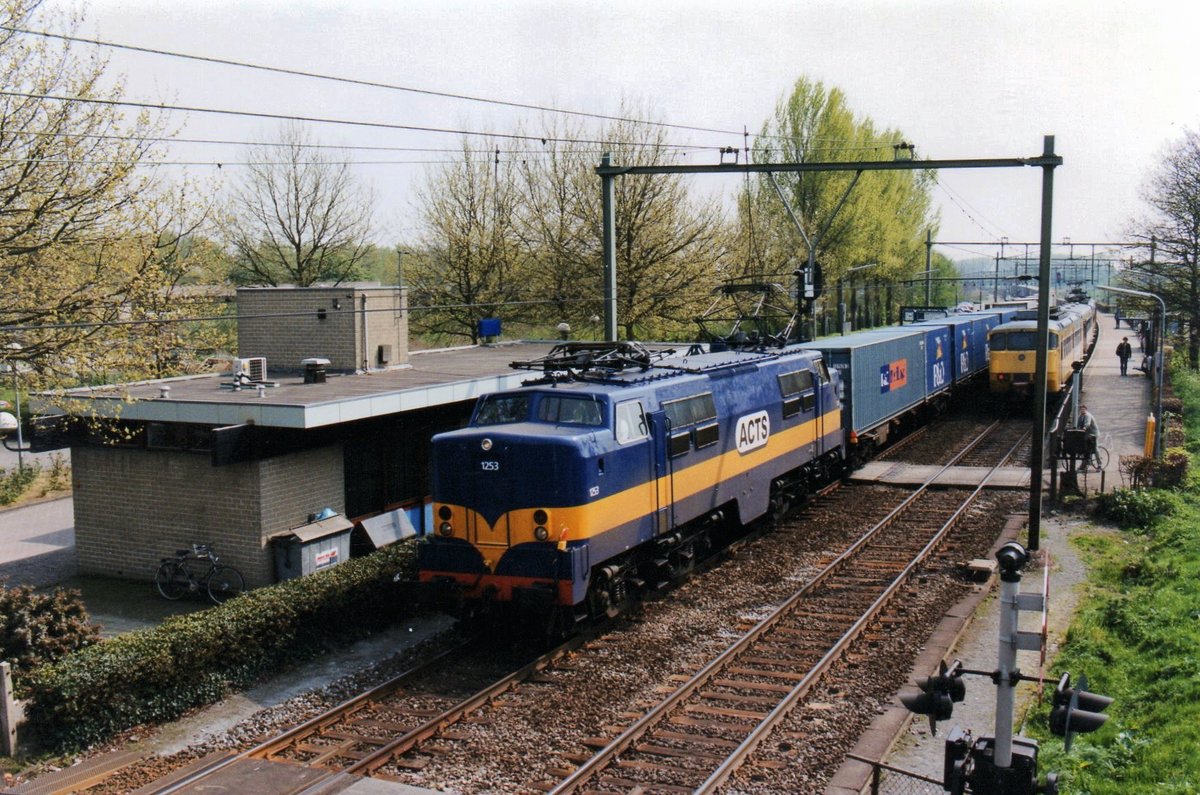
(432, 378)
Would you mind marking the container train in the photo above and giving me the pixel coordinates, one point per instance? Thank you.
(1014, 350)
(615, 469)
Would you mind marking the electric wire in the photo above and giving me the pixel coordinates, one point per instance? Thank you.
(324, 120)
(298, 145)
(428, 92)
(360, 82)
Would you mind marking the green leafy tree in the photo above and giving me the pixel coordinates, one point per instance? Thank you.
(879, 220)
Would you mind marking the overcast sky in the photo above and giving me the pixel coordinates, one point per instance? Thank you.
(1114, 82)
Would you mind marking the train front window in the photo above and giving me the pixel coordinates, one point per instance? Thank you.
(1021, 340)
(576, 410)
(498, 409)
(998, 342)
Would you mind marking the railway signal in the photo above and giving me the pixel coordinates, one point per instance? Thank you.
(938, 694)
(1004, 764)
(1075, 710)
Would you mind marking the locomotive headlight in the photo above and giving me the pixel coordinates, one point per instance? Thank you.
(540, 517)
(446, 529)
(541, 533)
(444, 513)
(486, 445)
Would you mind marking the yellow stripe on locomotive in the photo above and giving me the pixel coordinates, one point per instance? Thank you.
(604, 525)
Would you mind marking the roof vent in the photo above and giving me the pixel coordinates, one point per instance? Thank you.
(314, 370)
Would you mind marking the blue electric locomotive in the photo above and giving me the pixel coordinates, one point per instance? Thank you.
(611, 472)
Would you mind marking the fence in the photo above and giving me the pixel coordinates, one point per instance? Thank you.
(888, 780)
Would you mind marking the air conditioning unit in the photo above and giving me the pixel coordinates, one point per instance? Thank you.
(252, 370)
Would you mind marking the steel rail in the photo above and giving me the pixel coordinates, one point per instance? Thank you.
(267, 748)
(430, 728)
(760, 732)
(639, 728)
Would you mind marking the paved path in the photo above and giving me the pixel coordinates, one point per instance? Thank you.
(37, 543)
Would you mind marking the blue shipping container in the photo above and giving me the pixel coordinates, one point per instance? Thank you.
(882, 373)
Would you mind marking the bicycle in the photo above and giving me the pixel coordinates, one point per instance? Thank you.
(175, 577)
(1096, 460)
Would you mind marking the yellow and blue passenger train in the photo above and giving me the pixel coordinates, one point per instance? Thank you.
(614, 470)
(1013, 349)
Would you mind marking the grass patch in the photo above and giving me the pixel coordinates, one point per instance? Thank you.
(1137, 638)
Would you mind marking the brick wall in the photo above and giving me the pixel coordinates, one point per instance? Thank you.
(285, 341)
(135, 506)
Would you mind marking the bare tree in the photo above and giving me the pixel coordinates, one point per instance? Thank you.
(558, 187)
(1173, 269)
(668, 244)
(297, 216)
(474, 266)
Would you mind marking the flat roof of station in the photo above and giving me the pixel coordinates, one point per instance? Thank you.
(432, 378)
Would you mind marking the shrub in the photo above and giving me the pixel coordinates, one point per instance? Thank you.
(13, 484)
(37, 628)
(60, 473)
(189, 660)
(1172, 470)
(1135, 508)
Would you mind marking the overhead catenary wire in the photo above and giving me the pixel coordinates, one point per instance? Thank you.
(324, 120)
(409, 89)
(361, 82)
(300, 145)
(8, 329)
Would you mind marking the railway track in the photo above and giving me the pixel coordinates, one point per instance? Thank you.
(393, 731)
(696, 738)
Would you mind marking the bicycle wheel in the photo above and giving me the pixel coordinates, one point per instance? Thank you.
(171, 580)
(1101, 458)
(224, 583)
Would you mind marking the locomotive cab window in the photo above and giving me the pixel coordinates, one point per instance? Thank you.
(631, 422)
(797, 391)
(692, 411)
(497, 409)
(570, 409)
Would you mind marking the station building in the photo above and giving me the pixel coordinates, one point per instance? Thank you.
(325, 408)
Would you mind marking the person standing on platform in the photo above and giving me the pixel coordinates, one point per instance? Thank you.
(1117, 315)
(1124, 351)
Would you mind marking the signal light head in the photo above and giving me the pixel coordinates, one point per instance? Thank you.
(1076, 711)
(938, 694)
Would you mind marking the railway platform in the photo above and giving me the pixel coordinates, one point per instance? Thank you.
(968, 630)
(899, 473)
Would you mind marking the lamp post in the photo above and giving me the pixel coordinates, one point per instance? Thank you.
(13, 348)
(1158, 358)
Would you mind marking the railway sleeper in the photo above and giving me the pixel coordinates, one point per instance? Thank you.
(736, 698)
(686, 753)
(696, 739)
(725, 712)
(699, 723)
(626, 785)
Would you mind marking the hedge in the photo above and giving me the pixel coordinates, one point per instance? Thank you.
(157, 674)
